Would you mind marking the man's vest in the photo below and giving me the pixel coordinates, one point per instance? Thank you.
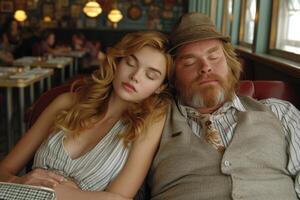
(252, 167)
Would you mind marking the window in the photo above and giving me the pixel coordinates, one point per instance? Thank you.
(248, 13)
(288, 32)
(227, 17)
(250, 21)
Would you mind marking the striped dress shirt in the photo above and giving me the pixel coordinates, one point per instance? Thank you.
(225, 121)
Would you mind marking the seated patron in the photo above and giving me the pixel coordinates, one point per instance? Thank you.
(106, 133)
(46, 46)
(215, 144)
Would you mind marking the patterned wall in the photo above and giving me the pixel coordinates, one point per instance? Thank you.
(138, 14)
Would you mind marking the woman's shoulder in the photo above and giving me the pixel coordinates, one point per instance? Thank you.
(64, 100)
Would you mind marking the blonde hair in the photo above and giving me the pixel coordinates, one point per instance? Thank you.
(92, 94)
(233, 63)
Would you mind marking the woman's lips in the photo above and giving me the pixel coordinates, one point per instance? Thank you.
(128, 87)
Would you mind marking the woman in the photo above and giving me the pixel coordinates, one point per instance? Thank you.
(120, 111)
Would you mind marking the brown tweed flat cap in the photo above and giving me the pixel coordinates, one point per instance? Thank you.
(193, 27)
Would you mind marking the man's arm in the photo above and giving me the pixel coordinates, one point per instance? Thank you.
(289, 115)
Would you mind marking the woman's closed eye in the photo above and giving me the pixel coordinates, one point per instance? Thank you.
(130, 62)
(152, 75)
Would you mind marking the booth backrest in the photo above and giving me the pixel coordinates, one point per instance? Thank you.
(269, 89)
(255, 89)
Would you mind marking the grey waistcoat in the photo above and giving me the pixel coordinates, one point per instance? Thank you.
(253, 166)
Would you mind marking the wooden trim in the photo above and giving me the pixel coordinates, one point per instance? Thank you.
(285, 54)
(286, 66)
(213, 10)
(246, 45)
(256, 20)
(274, 23)
(225, 17)
(242, 22)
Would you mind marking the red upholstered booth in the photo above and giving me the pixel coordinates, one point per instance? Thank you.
(270, 89)
(256, 89)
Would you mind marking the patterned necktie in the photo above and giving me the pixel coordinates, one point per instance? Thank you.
(211, 134)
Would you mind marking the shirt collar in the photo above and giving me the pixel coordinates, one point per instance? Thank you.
(188, 111)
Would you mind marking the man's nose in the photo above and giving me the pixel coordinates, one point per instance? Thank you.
(204, 67)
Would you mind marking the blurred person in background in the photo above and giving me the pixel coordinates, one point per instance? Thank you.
(94, 55)
(47, 45)
(6, 57)
(11, 37)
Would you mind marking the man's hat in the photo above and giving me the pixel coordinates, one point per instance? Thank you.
(193, 27)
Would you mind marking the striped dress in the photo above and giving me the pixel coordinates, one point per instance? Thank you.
(92, 171)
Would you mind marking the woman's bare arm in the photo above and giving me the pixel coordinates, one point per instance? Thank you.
(66, 192)
(131, 177)
(24, 150)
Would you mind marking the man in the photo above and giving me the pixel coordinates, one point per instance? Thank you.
(215, 144)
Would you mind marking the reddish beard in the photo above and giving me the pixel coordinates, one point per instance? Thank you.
(211, 95)
(207, 96)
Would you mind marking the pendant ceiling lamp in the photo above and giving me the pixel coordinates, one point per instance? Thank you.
(115, 15)
(92, 9)
(20, 15)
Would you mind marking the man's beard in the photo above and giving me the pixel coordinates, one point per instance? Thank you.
(207, 96)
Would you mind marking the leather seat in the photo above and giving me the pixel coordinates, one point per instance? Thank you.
(256, 89)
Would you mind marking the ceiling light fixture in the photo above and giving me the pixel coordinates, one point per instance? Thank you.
(92, 9)
(20, 15)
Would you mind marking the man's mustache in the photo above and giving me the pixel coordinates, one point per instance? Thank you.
(211, 77)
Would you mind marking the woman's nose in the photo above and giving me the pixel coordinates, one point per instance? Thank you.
(135, 76)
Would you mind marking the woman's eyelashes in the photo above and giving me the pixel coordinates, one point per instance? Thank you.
(149, 73)
(130, 62)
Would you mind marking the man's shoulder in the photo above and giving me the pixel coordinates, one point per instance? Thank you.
(279, 107)
(251, 104)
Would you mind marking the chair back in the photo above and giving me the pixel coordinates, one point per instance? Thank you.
(255, 89)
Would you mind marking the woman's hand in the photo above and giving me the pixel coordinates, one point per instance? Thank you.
(70, 184)
(40, 177)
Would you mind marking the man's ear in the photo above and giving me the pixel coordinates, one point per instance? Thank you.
(160, 89)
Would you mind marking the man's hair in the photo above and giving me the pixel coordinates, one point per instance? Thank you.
(232, 62)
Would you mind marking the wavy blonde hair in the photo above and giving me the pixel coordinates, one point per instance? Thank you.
(233, 64)
(93, 93)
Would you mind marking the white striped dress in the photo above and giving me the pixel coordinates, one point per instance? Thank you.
(92, 171)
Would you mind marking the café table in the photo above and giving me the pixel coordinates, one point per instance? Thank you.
(13, 77)
(75, 54)
(50, 62)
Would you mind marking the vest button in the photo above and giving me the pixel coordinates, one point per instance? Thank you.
(227, 163)
(236, 196)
